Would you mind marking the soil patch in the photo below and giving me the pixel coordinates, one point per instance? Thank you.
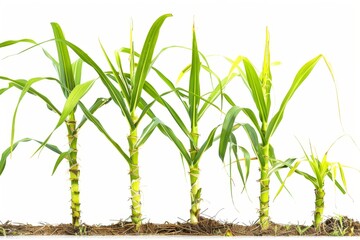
(339, 226)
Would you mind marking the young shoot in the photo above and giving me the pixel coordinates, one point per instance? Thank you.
(321, 169)
(263, 125)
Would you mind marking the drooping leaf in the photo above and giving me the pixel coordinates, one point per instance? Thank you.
(25, 89)
(99, 126)
(168, 132)
(20, 84)
(72, 101)
(98, 104)
(12, 42)
(300, 77)
(62, 156)
(227, 129)
(219, 88)
(8, 151)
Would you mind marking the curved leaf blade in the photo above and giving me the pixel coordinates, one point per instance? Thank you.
(145, 61)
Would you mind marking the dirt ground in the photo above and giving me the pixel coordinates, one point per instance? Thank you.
(207, 227)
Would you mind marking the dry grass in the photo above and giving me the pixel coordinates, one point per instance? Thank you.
(337, 226)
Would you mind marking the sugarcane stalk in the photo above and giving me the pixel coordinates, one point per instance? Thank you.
(264, 185)
(319, 207)
(136, 215)
(74, 171)
(195, 192)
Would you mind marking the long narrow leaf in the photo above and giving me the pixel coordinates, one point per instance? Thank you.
(148, 130)
(120, 78)
(24, 91)
(12, 42)
(66, 72)
(205, 146)
(227, 129)
(145, 60)
(20, 84)
(98, 104)
(77, 70)
(99, 126)
(171, 135)
(72, 101)
(114, 93)
(194, 83)
(256, 90)
(8, 151)
(61, 157)
(300, 77)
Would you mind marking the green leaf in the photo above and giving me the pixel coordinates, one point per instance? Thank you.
(168, 132)
(25, 89)
(172, 87)
(62, 156)
(114, 93)
(292, 170)
(8, 151)
(342, 175)
(300, 77)
(278, 164)
(98, 104)
(99, 126)
(265, 77)
(247, 158)
(154, 94)
(148, 130)
(145, 109)
(77, 70)
(256, 90)
(20, 84)
(54, 62)
(12, 42)
(194, 84)
(145, 61)
(227, 128)
(66, 73)
(120, 78)
(219, 88)
(205, 146)
(72, 101)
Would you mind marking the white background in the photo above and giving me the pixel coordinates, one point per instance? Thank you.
(299, 31)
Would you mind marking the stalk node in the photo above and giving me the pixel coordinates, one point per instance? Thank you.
(70, 122)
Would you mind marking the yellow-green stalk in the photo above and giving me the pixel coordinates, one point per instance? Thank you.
(264, 189)
(319, 207)
(136, 216)
(74, 170)
(195, 192)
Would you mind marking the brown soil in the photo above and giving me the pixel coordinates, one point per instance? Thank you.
(206, 227)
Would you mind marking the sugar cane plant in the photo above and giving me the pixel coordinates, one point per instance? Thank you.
(259, 86)
(321, 169)
(191, 99)
(128, 98)
(70, 83)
